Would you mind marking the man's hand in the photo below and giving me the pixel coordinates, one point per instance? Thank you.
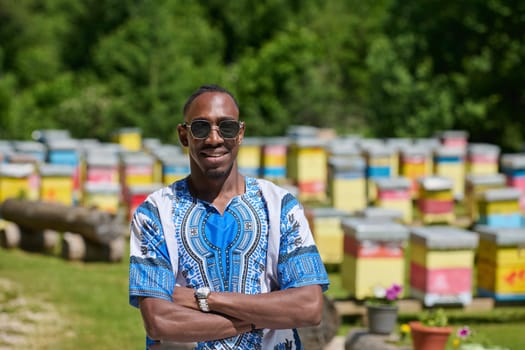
(185, 296)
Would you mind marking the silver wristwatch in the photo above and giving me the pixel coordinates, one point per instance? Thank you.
(201, 294)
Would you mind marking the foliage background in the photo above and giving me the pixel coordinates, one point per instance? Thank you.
(379, 68)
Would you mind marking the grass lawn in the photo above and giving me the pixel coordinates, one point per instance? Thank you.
(91, 301)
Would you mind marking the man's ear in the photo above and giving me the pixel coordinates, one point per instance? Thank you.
(241, 134)
(183, 135)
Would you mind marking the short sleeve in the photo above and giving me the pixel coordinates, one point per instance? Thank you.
(150, 270)
(299, 262)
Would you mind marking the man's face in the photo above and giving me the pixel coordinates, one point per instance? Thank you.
(213, 156)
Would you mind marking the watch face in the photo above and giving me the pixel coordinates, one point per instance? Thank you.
(203, 292)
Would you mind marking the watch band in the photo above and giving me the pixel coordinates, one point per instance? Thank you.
(201, 294)
(203, 305)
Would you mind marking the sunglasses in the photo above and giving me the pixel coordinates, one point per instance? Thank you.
(201, 129)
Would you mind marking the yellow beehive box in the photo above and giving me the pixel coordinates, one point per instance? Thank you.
(171, 164)
(312, 163)
(18, 181)
(430, 258)
(500, 201)
(136, 168)
(373, 254)
(394, 193)
(450, 162)
(296, 133)
(415, 162)
(482, 159)
(325, 224)
(129, 138)
(348, 194)
(475, 186)
(308, 168)
(360, 284)
(249, 156)
(397, 144)
(347, 183)
(103, 196)
(442, 246)
(501, 267)
(441, 264)
(57, 183)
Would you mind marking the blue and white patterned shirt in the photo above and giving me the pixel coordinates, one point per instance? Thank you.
(179, 240)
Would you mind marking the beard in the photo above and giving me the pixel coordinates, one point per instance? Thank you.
(218, 173)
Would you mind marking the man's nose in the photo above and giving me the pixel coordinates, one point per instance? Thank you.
(214, 133)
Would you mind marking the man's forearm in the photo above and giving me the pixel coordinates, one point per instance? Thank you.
(291, 308)
(168, 321)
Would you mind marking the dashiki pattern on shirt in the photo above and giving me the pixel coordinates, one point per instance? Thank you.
(225, 252)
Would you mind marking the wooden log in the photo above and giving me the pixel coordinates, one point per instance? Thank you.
(10, 235)
(95, 225)
(76, 248)
(73, 247)
(39, 241)
(112, 251)
(318, 337)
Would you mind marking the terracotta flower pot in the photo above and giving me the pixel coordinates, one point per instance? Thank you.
(429, 338)
(382, 319)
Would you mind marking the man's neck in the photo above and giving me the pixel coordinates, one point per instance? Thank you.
(220, 190)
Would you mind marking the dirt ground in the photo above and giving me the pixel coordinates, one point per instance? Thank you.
(26, 323)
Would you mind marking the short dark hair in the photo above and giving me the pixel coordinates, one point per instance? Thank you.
(203, 89)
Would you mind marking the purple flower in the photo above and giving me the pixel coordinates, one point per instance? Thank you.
(464, 332)
(393, 292)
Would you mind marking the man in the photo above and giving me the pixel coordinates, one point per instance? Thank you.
(218, 258)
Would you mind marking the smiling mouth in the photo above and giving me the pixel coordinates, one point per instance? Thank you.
(213, 155)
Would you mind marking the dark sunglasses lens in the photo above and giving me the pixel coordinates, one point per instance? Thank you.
(229, 129)
(200, 129)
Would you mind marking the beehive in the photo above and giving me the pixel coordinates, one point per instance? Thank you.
(18, 181)
(513, 166)
(57, 183)
(249, 156)
(475, 185)
(394, 193)
(136, 194)
(101, 167)
(136, 168)
(307, 168)
(415, 162)
(103, 196)
(273, 158)
(501, 263)
(454, 138)
(397, 144)
(130, 139)
(63, 152)
(450, 162)
(500, 207)
(373, 255)
(482, 159)
(436, 200)
(378, 166)
(325, 224)
(347, 182)
(441, 264)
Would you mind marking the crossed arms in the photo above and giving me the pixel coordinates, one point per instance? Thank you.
(231, 313)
